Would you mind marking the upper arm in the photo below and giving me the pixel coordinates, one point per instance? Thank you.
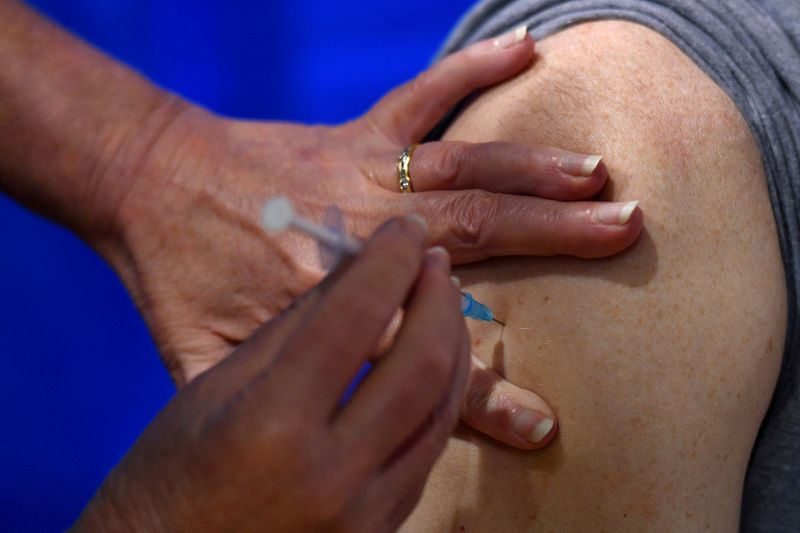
(660, 362)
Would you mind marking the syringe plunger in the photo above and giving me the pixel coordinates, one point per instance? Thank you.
(279, 215)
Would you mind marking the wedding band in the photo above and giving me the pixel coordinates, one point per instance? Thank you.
(403, 163)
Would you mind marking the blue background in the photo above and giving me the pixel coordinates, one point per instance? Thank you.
(81, 377)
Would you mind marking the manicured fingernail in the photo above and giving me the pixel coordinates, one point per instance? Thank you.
(514, 37)
(532, 426)
(456, 281)
(615, 214)
(579, 165)
(439, 257)
(542, 430)
(419, 220)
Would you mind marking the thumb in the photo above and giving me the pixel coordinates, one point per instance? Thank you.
(409, 112)
(505, 412)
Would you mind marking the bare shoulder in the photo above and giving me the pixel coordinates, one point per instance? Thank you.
(661, 361)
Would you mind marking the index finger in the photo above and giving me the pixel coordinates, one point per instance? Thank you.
(415, 375)
(327, 349)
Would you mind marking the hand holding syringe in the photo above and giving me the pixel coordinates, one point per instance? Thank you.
(279, 215)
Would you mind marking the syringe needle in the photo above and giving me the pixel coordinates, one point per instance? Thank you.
(501, 323)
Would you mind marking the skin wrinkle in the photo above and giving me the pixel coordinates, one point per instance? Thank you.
(657, 361)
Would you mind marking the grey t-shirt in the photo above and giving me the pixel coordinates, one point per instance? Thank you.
(751, 49)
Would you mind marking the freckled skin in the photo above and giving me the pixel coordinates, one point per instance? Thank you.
(659, 362)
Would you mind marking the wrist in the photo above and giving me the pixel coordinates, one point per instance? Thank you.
(76, 124)
(157, 197)
(122, 157)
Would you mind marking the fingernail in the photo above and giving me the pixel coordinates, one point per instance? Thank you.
(456, 281)
(542, 430)
(439, 256)
(532, 426)
(616, 214)
(579, 165)
(419, 220)
(514, 37)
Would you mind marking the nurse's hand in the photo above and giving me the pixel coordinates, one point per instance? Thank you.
(261, 442)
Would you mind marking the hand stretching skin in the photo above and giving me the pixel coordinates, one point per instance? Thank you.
(231, 453)
(170, 194)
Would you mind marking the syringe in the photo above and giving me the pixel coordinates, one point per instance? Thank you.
(279, 215)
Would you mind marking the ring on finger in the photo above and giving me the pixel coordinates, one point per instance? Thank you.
(403, 164)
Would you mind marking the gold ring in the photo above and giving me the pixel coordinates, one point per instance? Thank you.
(403, 163)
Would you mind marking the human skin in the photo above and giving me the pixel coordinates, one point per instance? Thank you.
(170, 194)
(229, 453)
(659, 362)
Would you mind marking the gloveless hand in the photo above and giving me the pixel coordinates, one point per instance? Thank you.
(206, 275)
(261, 443)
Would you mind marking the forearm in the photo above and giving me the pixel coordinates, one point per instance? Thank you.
(74, 124)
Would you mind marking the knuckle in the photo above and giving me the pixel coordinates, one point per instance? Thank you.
(448, 164)
(552, 216)
(423, 81)
(472, 217)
